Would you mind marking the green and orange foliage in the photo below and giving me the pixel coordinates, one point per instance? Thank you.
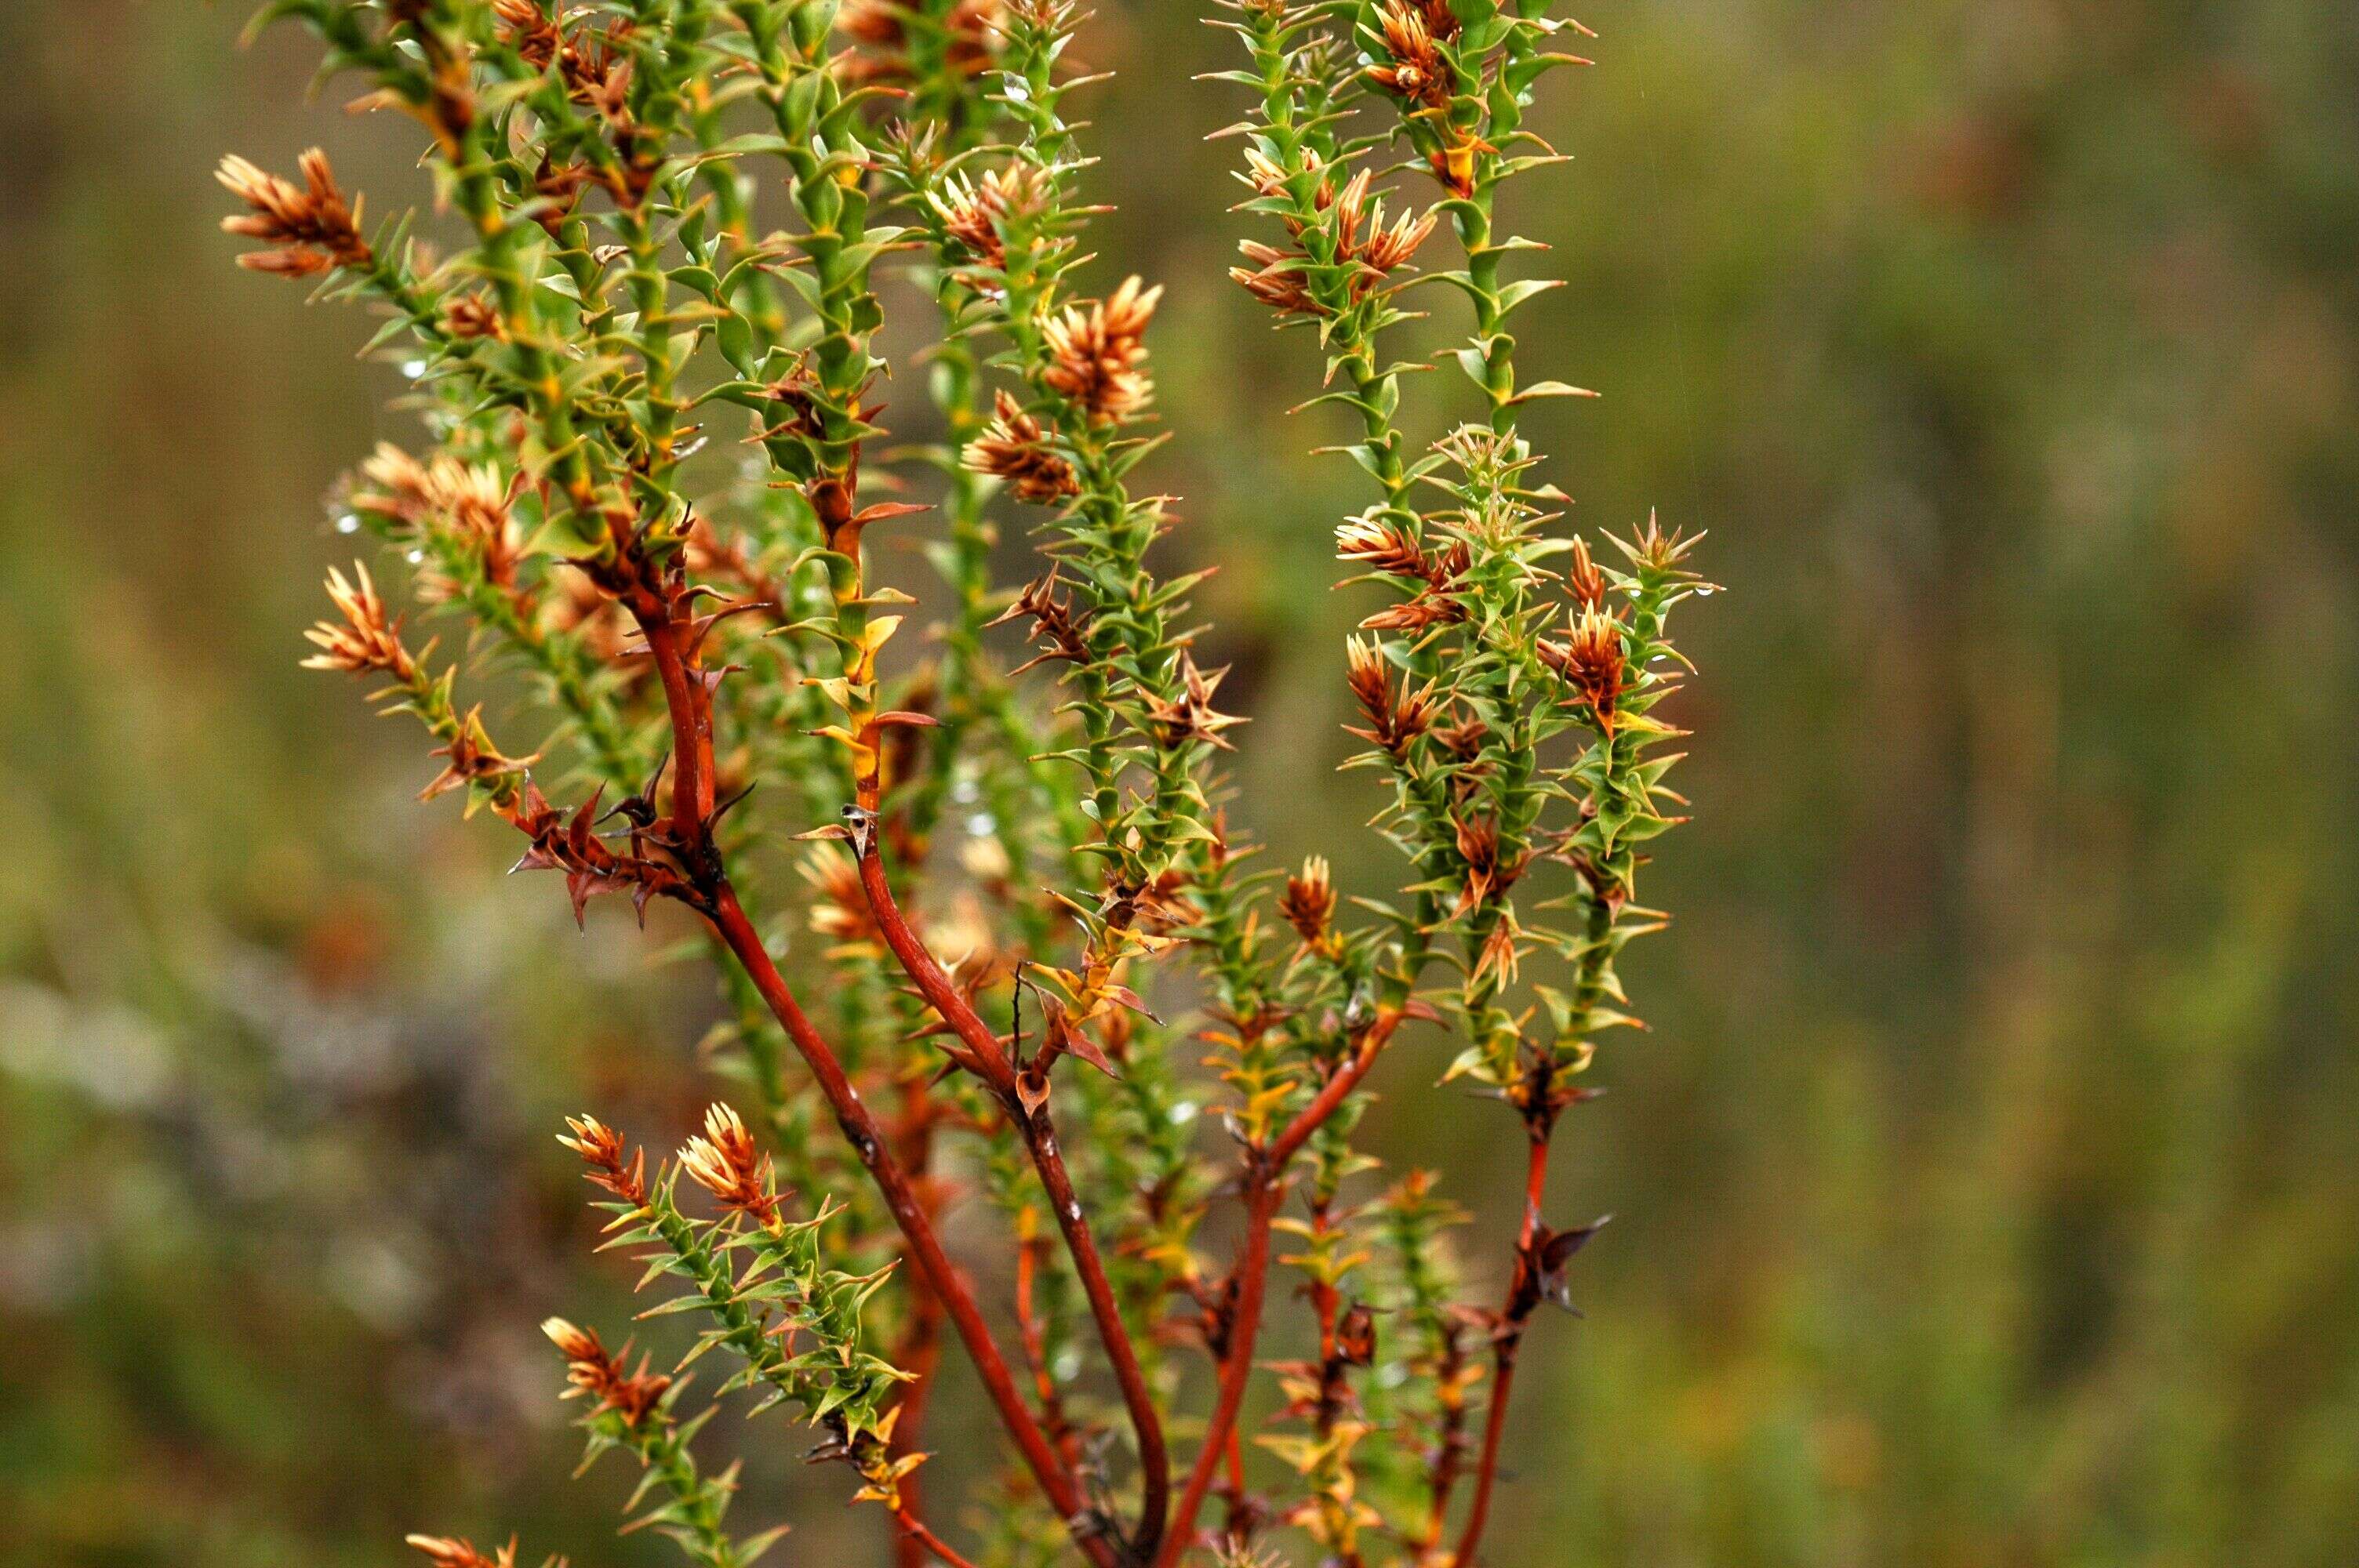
(1009, 916)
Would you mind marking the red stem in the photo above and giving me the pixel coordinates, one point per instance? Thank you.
(691, 722)
(1509, 1341)
(1035, 1352)
(1263, 1193)
(914, 1530)
(1252, 1277)
(692, 714)
(1041, 1138)
(909, 1213)
(920, 1352)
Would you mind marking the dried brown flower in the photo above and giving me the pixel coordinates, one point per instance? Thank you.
(1396, 715)
(1591, 661)
(1418, 72)
(1430, 608)
(367, 640)
(1490, 871)
(1278, 277)
(472, 757)
(1307, 903)
(973, 210)
(314, 227)
(526, 26)
(1384, 545)
(879, 32)
(724, 1163)
(1057, 629)
(1191, 716)
(467, 316)
(1097, 353)
(597, 1373)
(1581, 579)
(470, 499)
(453, 1551)
(619, 1169)
(1013, 447)
(1439, 18)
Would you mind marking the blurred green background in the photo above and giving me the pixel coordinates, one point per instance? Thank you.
(1989, 1184)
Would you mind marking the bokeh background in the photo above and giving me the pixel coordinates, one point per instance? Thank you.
(1988, 1187)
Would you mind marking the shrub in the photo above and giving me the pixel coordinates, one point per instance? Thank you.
(689, 629)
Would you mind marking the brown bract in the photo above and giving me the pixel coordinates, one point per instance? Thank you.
(726, 1163)
(314, 229)
(1358, 233)
(366, 641)
(1013, 447)
(1307, 903)
(879, 31)
(1396, 715)
(1096, 353)
(1590, 659)
(471, 758)
(455, 1551)
(1191, 715)
(1417, 70)
(613, 1166)
(598, 1375)
(973, 210)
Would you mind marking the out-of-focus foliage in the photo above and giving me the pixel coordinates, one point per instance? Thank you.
(1986, 1188)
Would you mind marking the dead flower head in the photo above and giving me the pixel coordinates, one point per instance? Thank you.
(1096, 353)
(455, 1551)
(1013, 447)
(314, 229)
(1280, 278)
(467, 316)
(1307, 903)
(367, 640)
(471, 499)
(1417, 70)
(471, 758)
(599, 1375)
(1590, 660)
(724, 1163)
(1191, 715)
(973, 210)
(1059, 630)
(1396, 715)
(621, 1171)
(879, 32)
(1582, 580)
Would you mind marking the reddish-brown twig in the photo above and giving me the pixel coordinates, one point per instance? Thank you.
(688, 701)
(984, 1054)
(1507, 1342)
(1264, 1191)
(914, 1531)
